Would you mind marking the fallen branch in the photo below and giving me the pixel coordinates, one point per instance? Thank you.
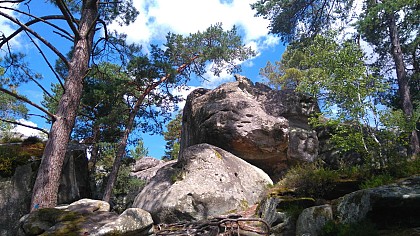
(226, 225)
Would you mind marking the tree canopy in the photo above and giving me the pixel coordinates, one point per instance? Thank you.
(299, 19)
(172, 136)
(391, 28)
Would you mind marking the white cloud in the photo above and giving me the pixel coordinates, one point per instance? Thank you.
(25, 131)
(6, 27)
(158, 18)
(183, 92)
(211, 81)
(188, 16)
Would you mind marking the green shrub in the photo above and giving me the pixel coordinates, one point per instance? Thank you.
(404, 167)
(8, 154)
(14, 155)
(310, 180)
(11, 140)
(32, 140)
(376, 181)
(293, 210)
(363, 228)
(6, 166)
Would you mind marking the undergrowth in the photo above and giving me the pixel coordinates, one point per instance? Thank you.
(363, 228)
(14, 155)
(315, 180)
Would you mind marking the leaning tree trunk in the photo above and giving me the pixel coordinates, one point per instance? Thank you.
(130, 123)
(45, 190)
(94, 156)
(403, 83)
(121, 152)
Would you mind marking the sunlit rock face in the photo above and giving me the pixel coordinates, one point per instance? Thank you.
(206, 181)
(268, 128)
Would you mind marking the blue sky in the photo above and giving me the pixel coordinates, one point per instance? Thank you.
(156, 19)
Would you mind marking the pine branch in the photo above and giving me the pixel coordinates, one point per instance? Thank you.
(24, 125)
(21, 98)
(43, 19)
(68, 17)
(49, 66)
(26, 28)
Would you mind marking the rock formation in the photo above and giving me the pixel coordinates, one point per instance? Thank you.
(74, 183)
(265, 127)
(390, 206)
(16, 191)
(206, 181)
(15, 198)
(145, 168)
(86, 217)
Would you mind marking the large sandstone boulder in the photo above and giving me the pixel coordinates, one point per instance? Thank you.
(86, 217)
(15, 197)
(275, 210)
(313, 219)
(267, 128)
(206, 181)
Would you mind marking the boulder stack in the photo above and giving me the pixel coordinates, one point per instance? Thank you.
(268, 128)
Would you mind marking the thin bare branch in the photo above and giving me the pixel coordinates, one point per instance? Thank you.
(26, 28)
(43, 19)
(37, 115)
(68, 17)
(36, 82)
(228, 225)
(24, 125)
(64, 36)
(105, 29)
(21, 98)
(92, 26)
(49, 65)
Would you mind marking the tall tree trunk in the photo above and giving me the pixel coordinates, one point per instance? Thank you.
(403, 83)
(45, 190)
(94, 157)
(121, 152)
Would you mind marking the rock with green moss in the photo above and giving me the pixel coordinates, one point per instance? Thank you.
(354, 207)
(16, 190)
(86, 217)
(133, 221)
(313, 219)
(88, 205)
(281, 212)
(393, 204)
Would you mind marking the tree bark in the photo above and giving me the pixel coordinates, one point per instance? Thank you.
(45, 190)
(121, 152)
(403, 83)
(94, 157)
